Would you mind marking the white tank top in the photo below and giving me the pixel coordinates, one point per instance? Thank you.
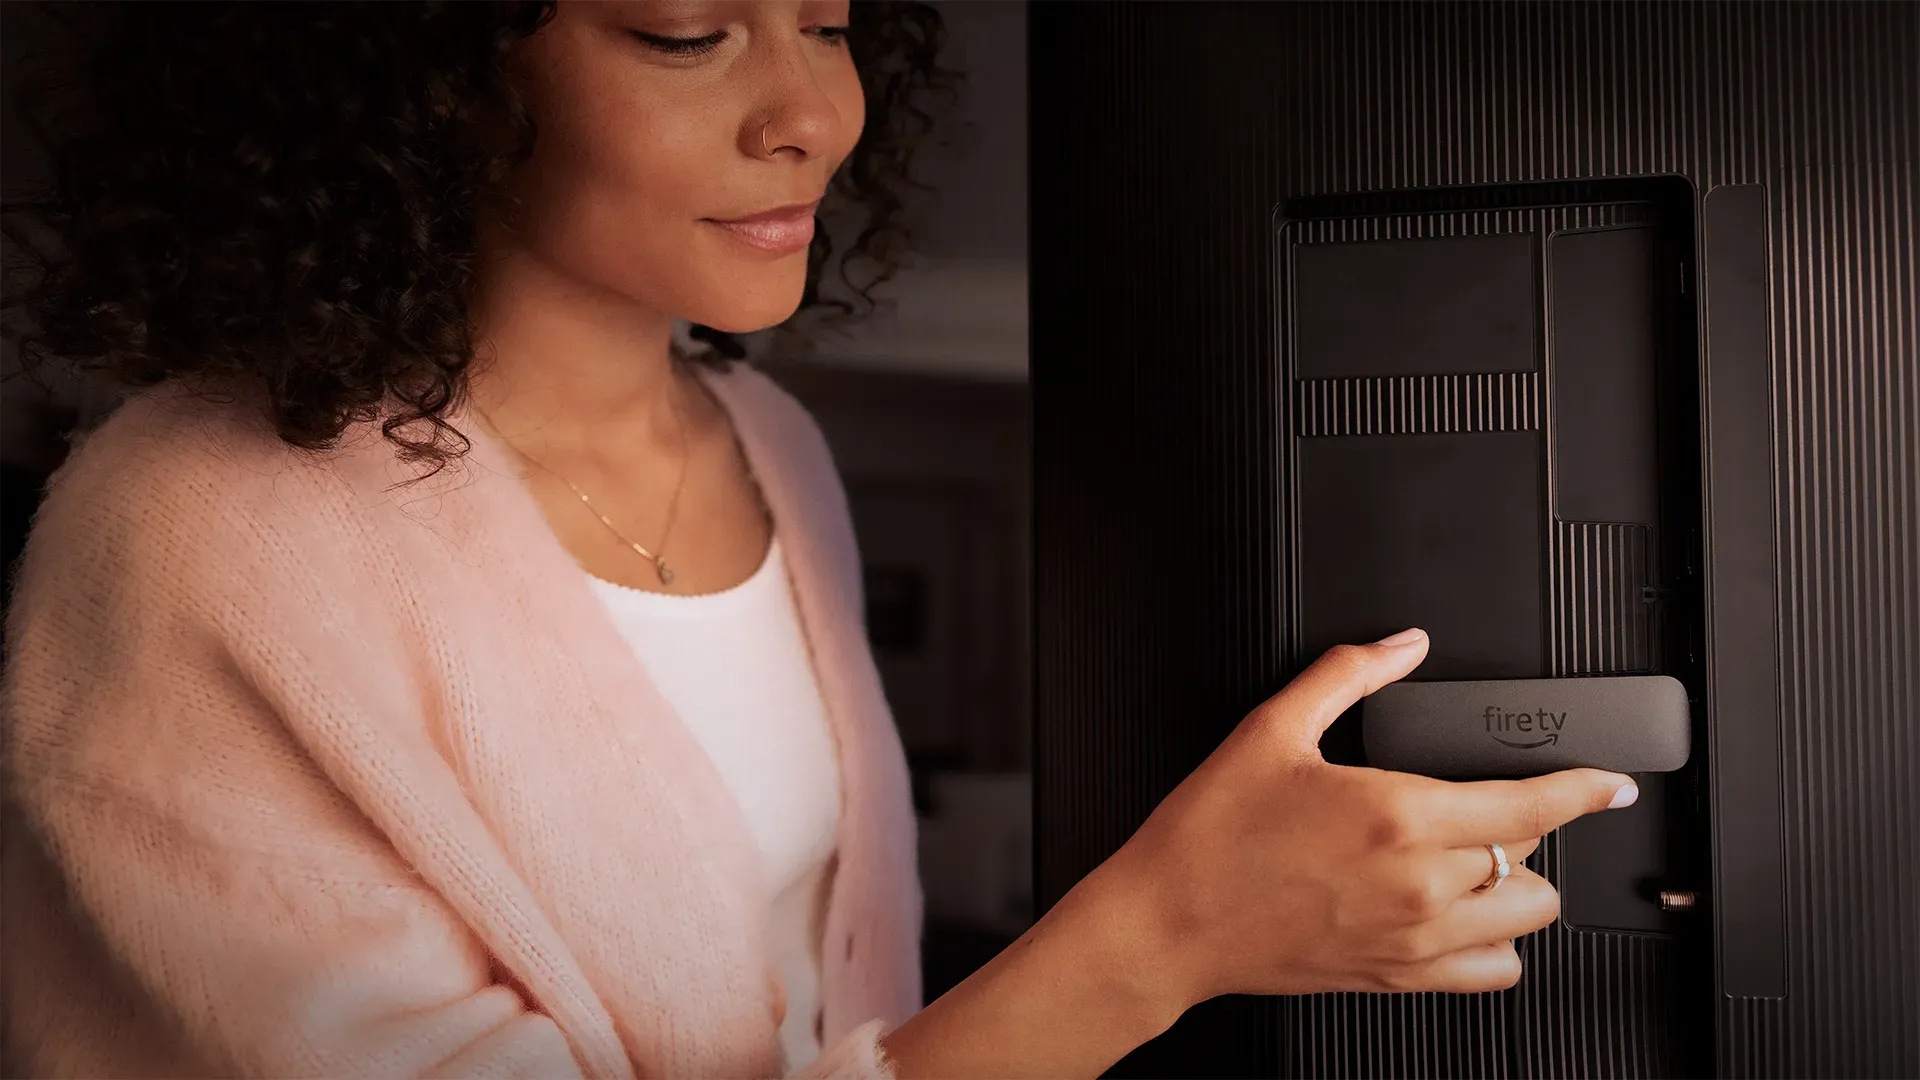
(736, 666)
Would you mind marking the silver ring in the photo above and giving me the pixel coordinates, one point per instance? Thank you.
(1501, 869)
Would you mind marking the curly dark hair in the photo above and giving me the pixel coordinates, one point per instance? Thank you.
(286, 193)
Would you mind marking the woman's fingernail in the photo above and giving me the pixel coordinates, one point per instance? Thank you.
(1624, 797)
(1404, 637)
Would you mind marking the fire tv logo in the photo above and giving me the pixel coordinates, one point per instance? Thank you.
(1548, 724)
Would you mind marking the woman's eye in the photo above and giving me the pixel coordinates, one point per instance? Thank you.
(679, 46)
(836, 35)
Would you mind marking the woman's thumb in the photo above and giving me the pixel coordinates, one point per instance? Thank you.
(1301, 713)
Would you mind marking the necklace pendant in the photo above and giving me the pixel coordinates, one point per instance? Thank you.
(665, 571)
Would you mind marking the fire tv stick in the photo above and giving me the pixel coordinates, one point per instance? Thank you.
(1525, 727)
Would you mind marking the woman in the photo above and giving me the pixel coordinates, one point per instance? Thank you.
(434, 672)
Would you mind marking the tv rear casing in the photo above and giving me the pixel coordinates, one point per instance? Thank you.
(1645, 275)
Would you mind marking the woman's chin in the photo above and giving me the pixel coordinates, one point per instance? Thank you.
(749, 315)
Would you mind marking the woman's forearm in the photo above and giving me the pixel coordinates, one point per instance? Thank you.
(1073, 995)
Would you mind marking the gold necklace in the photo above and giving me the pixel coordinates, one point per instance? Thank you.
(657, 558)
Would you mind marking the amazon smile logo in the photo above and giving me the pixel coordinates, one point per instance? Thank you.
(1524, 730)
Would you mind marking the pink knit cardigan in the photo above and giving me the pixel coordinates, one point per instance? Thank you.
(308, 776)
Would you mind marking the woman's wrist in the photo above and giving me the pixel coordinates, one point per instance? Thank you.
(1119, 930)
(1080, 990)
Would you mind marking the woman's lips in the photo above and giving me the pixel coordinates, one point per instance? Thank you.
(783, 231)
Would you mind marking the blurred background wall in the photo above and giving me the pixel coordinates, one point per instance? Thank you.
(925, 404)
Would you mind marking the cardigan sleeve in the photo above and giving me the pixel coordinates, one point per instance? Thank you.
(186, 889)
(857, 1056)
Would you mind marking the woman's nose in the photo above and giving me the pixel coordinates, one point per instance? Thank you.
(802, 111)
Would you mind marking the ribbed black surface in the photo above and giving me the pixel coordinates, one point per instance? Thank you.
(1847, 392)
(1416, 404)
(1602, 617)
(1367, 1035)
(1164, 138)
(1599, 1004)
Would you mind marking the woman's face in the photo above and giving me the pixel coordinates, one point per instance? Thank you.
(682, 148)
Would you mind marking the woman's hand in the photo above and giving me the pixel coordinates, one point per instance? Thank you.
(1267, 871)
(1270, 871)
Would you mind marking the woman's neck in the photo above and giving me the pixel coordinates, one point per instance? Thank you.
(564, 369)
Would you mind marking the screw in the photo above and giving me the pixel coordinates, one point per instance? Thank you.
(1678, 901)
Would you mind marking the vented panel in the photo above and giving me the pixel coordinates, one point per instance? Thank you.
(1164, 139)
(1603, 604)
(1419, 404)
(1418, 527)
(1612, 1011)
